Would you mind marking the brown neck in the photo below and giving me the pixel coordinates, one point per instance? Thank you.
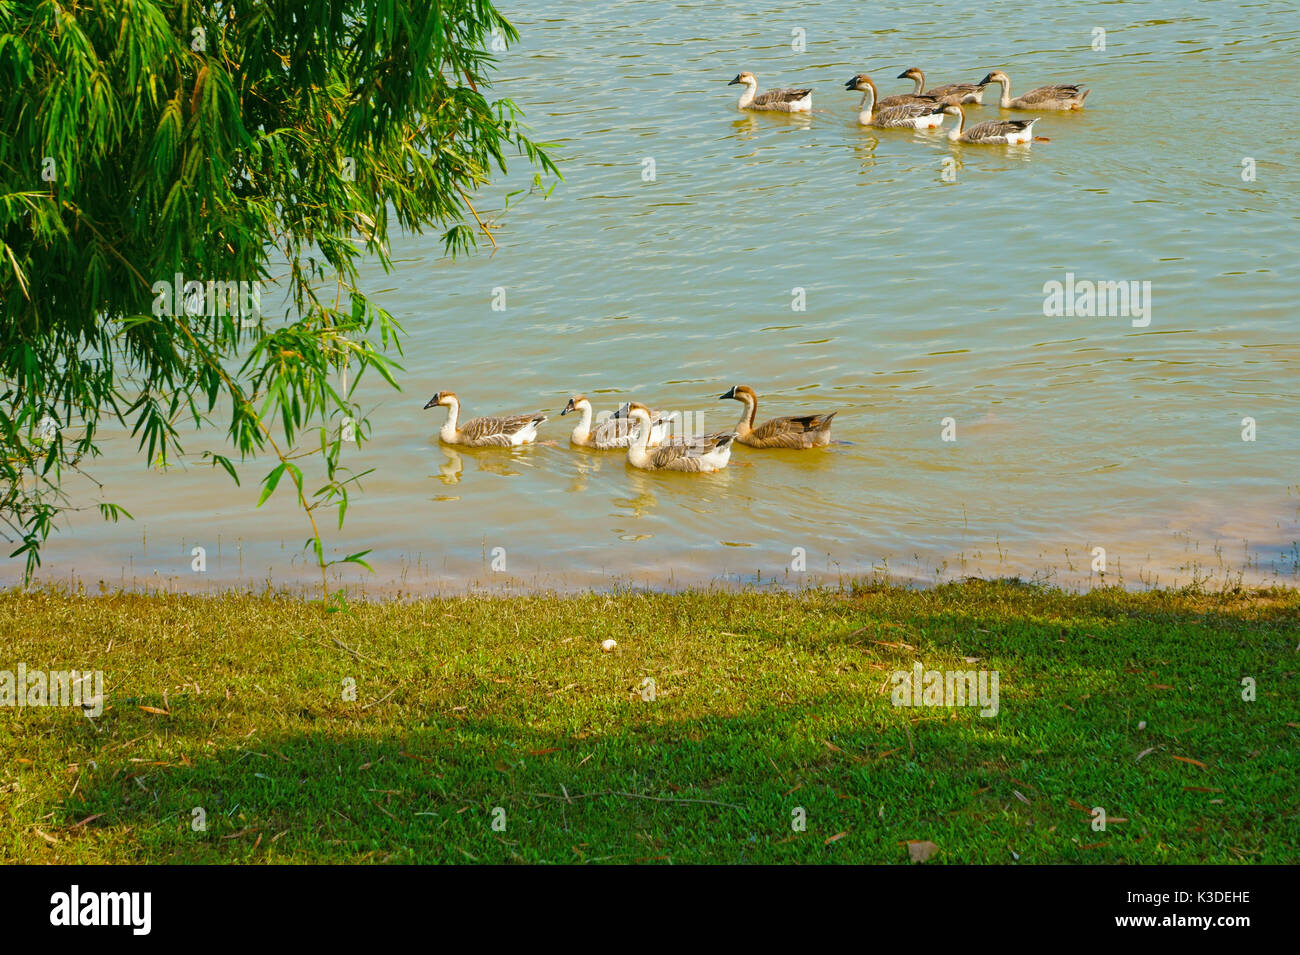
(868, 105)
(746, 421)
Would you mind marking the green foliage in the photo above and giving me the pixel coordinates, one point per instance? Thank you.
(275, 143)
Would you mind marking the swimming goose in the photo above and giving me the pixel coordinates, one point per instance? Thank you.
(711, 454)
(805, 431)
(615, 431)
(922, 114)
(699, 440)
(993, 132)
(500, 432)
(948, 92)
(784, 100)
(899, 99)
(1061, 96)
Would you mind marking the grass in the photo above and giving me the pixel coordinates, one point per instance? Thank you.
(475, 709)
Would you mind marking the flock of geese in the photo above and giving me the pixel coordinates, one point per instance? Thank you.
(646, 435)
(925, 109)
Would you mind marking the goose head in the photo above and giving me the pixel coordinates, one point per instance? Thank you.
(996, 76)
(636, 410)
(747, 78)
(574, 404)
(740, 393)
(860, 82)
(442, 398)
(911, 74)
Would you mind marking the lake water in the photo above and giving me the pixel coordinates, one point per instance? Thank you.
(923, 300)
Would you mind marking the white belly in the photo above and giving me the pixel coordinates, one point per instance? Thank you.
(659, 433)
(933, 121)
(716, 459)
(1025, 135)
(525, 435)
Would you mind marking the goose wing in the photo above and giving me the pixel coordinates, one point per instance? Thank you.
(613, 433)
(950, 90)
(996, 130)
(689, 456)
(903, 115)
(488, 429)
(911, 99)
(703, 443)
(789, 432)
(787, 95)
(617, 431)
(1045, 94)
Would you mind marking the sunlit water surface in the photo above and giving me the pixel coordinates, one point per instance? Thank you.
(924, 301)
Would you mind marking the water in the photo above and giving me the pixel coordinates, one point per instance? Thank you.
(924, 301)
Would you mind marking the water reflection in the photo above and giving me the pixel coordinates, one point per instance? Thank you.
(586, 463)
(642, 499)
(452, 467)
(745, 127)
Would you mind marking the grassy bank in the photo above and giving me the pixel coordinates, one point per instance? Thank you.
(471, 710)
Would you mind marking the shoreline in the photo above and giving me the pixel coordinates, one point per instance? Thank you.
(514, 588)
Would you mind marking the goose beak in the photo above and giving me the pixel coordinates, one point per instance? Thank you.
(902, 76)
(986, 81)
(851, 84)
(433, 401)
(729, 394)
(735, 81)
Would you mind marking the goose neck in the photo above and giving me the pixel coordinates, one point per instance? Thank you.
(1005, 100)
(583, 429)
(453, 417)
(868, 104)
(747, 412)
(954, 134)
(638, 447)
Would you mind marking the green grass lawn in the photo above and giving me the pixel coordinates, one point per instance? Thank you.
(475, 709)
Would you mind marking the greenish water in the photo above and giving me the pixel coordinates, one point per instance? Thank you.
(924, 300)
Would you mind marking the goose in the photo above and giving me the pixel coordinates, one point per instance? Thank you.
(922, 114)
(954, 92)
(701, 456)
(993, 132)
(684, 438)
(1062, 96)
(614, 432)
(899, 99)
(502, 431)
(783, 100)
(805, 431)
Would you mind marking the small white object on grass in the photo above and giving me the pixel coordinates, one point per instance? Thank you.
(608, 646)
(1142, 725)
